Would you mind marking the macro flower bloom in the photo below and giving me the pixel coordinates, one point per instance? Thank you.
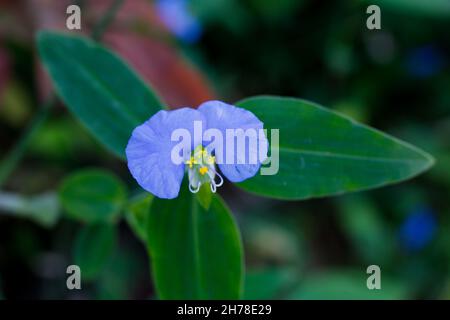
(219, 134)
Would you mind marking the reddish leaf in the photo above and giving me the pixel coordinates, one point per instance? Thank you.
(174, 78)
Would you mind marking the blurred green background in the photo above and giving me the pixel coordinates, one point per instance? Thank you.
(396, 79)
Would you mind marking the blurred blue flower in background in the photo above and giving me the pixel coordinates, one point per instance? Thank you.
(176, 15)
(424, 62)
(418, 229)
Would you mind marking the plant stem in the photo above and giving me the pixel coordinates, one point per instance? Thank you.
(105, 20)
(9, 163)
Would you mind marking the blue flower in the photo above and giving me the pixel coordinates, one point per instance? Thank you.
(418, 229)
(170, 143)
(175, 14)
(424, 62)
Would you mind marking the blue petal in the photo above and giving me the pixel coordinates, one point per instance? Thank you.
(223, 116)
(177, 17)
(149, 151)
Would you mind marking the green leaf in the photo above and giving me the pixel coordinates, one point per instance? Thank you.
(93, 195)
(98, 87)
(93, 246)
(369, 234)
(136, 214)
(122, 275)
(204, 196)
(347, 284)
(195, 253)
(43, 209)
(322, 153)
(269, 283)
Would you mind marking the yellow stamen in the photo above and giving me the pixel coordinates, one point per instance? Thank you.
(200, 153)
(191, 162)
(211, 160)
(203, 170)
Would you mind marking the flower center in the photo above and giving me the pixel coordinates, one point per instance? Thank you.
(201, 169)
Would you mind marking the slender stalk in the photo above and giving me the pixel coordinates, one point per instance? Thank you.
(8, 164)
(11, 160)
(105, 20)
(79, 3)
